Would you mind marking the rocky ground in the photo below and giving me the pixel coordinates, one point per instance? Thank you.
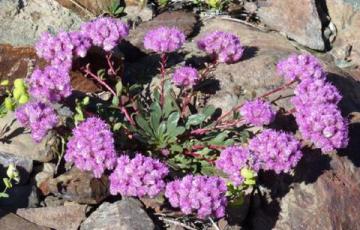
(324, 193)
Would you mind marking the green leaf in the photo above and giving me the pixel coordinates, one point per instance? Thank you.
(7, 183)
(168, 106)
(176, 148)
(119, 10)
(101, 73)
(118, 88)
(172, 122)
(115, 101)
(219, 139)
(4, 195)
(249, 181)
(86, 100)
(143, 124)
(178, 131)
(117, 126)
(156, 95)
(161, 130)
(155, 116)
(195, 119)
(209, 110)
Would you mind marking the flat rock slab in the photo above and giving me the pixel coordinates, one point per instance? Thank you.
(17, 141)
(22, 22)
(184, 21)
(345, 14)
(127, 214)
(78, 186)
(298, 20)
(10, 221)
(62, 217)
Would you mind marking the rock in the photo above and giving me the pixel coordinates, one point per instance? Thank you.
(87, 8)
(19, 62)
(133, 12)
(231, 84)
(17, 141)
(24, 166)
(62, 217)
(21, 196)
(10, 221)
(47, 172)
(22, 22)
(299, 20)
(122, 215)
(77, 186)
(185, 21)
(345, 15)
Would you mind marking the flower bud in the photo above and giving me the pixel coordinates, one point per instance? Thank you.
(8, 104)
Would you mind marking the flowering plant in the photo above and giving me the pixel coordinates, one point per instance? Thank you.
(166, 135)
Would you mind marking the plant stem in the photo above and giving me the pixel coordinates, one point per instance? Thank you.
(282, 87)
(103, 83)
(162, 81)
(110, 64)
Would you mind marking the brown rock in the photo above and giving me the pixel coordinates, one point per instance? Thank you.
(345, 14)
(10, 221)
(62, 217)
(19, 62)
(122, 215)
(185, 21)
(298, 20)
(77, 186)
(87, 7)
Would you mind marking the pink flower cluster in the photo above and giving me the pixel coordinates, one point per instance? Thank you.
(232, 160)
(105, 32)
(201, 194)
(138, 177)
(59, 50)
(315, 92)
(275, 150)
(324, 125)
(257, 112)
(223, 46)
(37, 116)
(317, 115)
(51, 84)
(164, 39)
(92, 147)
(185, 77)
(301, 67)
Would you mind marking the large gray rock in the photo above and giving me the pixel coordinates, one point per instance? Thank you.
(62, 217)
(17, 141)
(127, 214)
(345, 15)
(10, 221)
(22, 22)
(299, 20)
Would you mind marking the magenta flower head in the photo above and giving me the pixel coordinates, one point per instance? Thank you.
(38, 117)
(225, 47)
(81, 44)
(315, 92)
(51, 84)
(274, 150)
(164, 39)
(324, 126)
(58, 50)
(201, 194)
(232, 160)
(185, 77)
(140, 176)
(105, 32)
(257, 112)
(303, 66)
(92, 147)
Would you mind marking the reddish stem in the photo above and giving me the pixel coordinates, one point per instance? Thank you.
(103, 83)
(225, 125)
(110, 64)
(262, 96)
(198, 156)
(162, 81)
